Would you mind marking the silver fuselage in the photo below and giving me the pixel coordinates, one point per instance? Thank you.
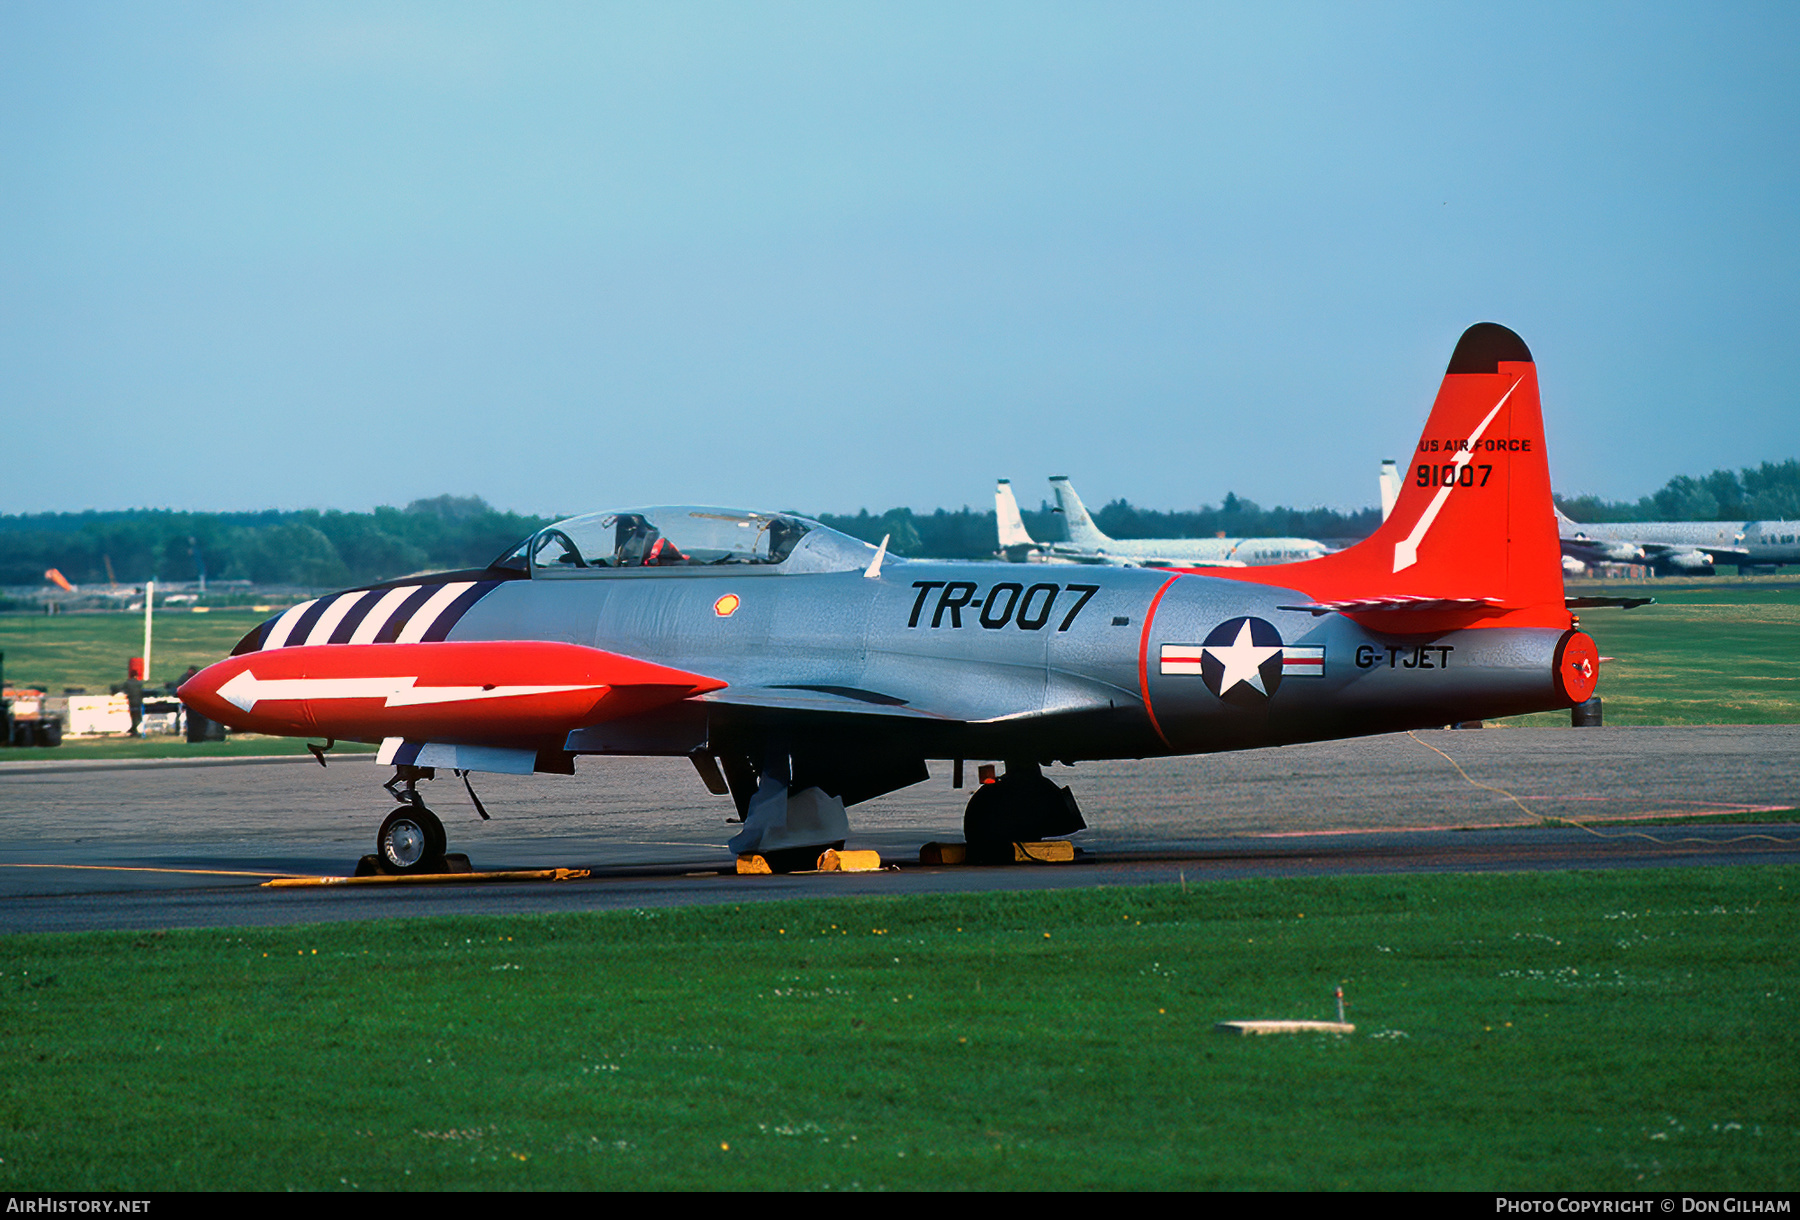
(979, 660)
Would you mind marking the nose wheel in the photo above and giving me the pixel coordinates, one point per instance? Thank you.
(411, 840)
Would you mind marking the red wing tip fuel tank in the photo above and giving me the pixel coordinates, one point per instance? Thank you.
(477, 692)
(802, 677)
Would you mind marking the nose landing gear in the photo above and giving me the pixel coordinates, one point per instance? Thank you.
(411, 838)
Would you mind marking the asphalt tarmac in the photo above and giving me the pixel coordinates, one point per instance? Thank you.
(188, 844)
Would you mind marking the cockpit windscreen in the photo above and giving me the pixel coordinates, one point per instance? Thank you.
(661, 537)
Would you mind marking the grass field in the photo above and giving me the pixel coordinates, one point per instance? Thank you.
(1704, 654)
(1611, 1031)
(52, 652)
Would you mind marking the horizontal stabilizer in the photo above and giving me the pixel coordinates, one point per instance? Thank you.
(1398, 602)
(1593, 603)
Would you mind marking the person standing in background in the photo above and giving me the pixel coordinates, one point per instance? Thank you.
(133, 690)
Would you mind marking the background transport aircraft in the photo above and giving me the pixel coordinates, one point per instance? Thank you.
(1017, 544)
(1169, 552)
(1084, 543)
(802, 671)
(1684, 547)
(1679, 547)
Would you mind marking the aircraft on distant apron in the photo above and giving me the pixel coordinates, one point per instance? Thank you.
(803, 671)
(1684, 548)
(1085, 543)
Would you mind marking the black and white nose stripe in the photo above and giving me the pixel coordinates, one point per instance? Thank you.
(372, 616)
(333, 618)
(434, 607)
(408, 614)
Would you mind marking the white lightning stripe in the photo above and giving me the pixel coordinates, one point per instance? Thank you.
(413, 696)
(379, 614)
(1406, 552)
(334, 614)
(278, 634)
(421, 622)
(247, 690)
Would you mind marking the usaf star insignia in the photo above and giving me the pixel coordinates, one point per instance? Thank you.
(1240, 662)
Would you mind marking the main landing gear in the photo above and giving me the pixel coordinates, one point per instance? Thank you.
(1022, 806)
(411, 838)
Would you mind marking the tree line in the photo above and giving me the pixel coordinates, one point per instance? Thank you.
(1770, 492)
(971, 534)
(331, 549)
(308, 548)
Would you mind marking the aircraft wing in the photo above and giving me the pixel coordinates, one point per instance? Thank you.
(1190, 563)
(999, 693)
(1608, 550)
(1720, 554)
(834, 700)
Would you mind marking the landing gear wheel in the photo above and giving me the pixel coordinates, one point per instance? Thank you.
(411, 840)
(985, 817)
(1023, 806)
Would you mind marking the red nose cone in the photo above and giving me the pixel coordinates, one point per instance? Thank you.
(474, 691)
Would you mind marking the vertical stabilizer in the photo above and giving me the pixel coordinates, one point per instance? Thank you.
(1081, 528)
(1390, 487)
(1473, 520)
(1007, 518)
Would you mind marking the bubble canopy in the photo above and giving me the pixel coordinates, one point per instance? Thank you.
(685, 538)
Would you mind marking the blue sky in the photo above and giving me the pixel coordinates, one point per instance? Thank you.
(834, 256)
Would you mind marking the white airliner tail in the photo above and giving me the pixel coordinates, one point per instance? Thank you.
(1390, 487)
(1080, 527)
(1006, 515)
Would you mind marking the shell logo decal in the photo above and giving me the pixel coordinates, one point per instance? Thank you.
(726, 606)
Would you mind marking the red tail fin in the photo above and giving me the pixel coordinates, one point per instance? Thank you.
(1474, 526)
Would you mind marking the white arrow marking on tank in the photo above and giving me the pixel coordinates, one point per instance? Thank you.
(1406, 551)
(247, 690)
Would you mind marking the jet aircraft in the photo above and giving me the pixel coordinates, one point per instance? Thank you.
(802, 671)
(1671, 547)
(1688, 548)
(1087, 544)
(1173, 552)
(1017, 544)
